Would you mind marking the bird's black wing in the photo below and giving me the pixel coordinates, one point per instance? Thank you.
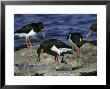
(77, 38)
(61, 44)
(50, 43)
(26, 29)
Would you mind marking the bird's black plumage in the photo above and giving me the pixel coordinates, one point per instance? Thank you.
(75, 38)
(51, 42)
(52, 47)
(27, 28)
(48, 44)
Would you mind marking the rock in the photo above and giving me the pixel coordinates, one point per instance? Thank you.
(26, 63)
(60, 73)
(22, 74)
(87, 70)
(26, 55)
(89, 48)
(63, 67)
(42, 68)
(89, 53)
(47, 58)
(76, 62)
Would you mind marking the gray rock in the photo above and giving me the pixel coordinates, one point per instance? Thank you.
(26, 63)
(63, 67)
(87, 70)
(75, 62)
(60, 73)
(26, 55)
(89, 53)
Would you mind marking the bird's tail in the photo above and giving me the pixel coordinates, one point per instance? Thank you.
(65, 50)
(16, 34)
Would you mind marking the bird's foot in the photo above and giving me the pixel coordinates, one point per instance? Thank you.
(57, 59)
(29, 45)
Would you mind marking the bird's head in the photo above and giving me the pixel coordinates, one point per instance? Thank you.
(93, 28)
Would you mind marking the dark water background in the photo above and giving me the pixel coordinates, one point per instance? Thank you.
(56, 26)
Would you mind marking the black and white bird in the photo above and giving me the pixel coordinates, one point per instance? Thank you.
(54, 47)
(75, 41)
(93, 28)
(30, 30)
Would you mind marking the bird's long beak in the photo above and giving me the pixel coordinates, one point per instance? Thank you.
(89, 33)
(42, 33)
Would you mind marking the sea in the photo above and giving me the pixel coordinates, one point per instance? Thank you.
(57, 26)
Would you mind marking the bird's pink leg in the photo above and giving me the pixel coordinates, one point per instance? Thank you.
(80, 52)
(57, 59)
(28, 43)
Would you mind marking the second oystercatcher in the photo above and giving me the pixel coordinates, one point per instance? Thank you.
(30, 30)
(54, 47)
(75, 41)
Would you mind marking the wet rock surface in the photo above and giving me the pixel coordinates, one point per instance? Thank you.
(26, 63)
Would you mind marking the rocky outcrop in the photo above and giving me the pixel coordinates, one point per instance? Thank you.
(26, 63)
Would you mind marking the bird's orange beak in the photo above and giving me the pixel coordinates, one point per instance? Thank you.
(42, 33)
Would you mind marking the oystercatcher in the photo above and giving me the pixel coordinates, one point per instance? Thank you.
(75, 41)
(54, 47)
(93, 28)
(30, 30)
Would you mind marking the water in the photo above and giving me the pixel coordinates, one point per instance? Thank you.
(56, 25)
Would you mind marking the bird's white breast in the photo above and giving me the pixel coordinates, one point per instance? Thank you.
(31, 33)
(70, 41)
(64, 50)
(60, 50)
(54, 48)
(21, 34)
